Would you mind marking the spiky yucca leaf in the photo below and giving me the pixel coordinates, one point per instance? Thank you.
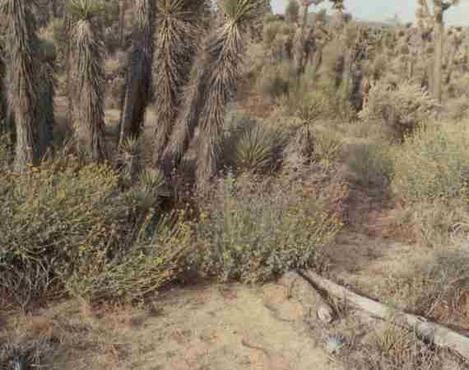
(176, 36)
(139, 77)
(85, 9)
(150, 187)
(152, 179)
(89, 75)
(130, 155)
(254, 149)
(22, 75)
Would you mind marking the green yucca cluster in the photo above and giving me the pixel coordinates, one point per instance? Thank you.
(85, 9)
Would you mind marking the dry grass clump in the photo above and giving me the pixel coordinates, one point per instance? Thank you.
(433, 163)
(27, 355)
(401, 109)
(370, 164)
(436, 286)
(254, 230)
(389, 347)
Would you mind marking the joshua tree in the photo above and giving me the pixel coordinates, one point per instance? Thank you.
(3, 103)
(224, 53)
(217, 76)
(89, 79)
(306, 39)
(22, 75)
(436, 15)
(47, 55)
(176, 36)
(292, 11)
(138, 84)
(122, 9)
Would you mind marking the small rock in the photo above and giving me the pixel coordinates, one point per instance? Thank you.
(325, 314)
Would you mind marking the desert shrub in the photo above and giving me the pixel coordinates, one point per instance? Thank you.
(65, 223)
(253, 230)
(276, 80)
(393, 348)
(327, 148)
(437, 223)
(433, 163)
(435, 286)
(27, 355)
(152, 263)
(400, 109)
(458, 108)
(370, 164)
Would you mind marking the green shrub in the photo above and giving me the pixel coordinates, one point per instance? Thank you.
(254, 230)
(327, 148)
(64, 224)
(153, 262)
(370, 164)
(400, 109)
(433, 163)
(276, 80)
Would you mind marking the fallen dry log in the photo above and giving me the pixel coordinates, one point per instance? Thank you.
(429, 331)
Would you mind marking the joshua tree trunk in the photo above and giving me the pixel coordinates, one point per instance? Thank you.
(176, 35)
(122, 9)
(224, 60)
(301, 54)
(188, 120)
(46, 97)
(21, 42)
(3, 103)
(89, 95)
(438, 56)
(138, 84)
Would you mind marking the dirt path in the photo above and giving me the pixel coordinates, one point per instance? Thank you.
(216, 327)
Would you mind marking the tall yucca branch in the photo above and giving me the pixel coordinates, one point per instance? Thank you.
(21, 43)
(3, 103)
(176, 36)
(89, 78)
(224, 54)
(138, 83)
(205, 101)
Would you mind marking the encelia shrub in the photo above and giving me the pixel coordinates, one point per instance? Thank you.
(65, 224)
(433, 163)
(255, 229)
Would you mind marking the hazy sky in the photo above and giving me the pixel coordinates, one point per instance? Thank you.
(380, 10)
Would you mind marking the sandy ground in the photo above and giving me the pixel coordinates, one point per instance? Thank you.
(201, 328)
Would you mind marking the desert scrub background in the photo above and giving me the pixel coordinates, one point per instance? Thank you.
(254, 229)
